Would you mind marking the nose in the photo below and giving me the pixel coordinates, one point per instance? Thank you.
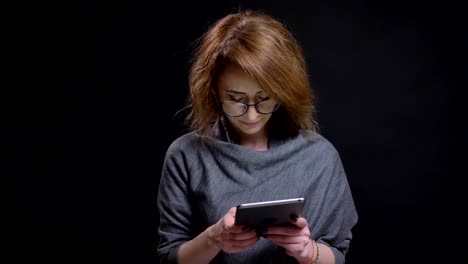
(252, 113)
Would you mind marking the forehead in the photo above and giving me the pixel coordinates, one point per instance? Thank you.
(233, 78)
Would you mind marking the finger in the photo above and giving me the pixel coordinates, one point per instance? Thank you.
(244, 243)
(226, 236)
(300, 222)
(288, 239)
(234, 248)
(238, 229)
(232, 211)
(243, 236)
(291, 249)
(285, 231)
(229, 218)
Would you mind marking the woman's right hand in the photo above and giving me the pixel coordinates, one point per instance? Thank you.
(229, 237)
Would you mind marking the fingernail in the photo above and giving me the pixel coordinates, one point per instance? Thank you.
(293, 218)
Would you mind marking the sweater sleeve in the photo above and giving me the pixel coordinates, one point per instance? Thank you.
(174, 207)
(339, 212)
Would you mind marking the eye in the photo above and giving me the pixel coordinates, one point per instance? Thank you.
(263, 98)
(235, 98)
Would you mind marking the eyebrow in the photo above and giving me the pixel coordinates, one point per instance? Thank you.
(237, 92)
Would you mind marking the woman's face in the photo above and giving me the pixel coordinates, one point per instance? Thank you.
(235, 85)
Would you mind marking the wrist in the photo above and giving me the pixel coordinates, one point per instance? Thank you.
(307, 254)
(312, 256)
(212, 234)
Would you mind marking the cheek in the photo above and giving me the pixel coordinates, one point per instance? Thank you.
(232, 120)
(266, 118)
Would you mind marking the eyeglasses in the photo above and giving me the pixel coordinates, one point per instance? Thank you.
(235, 108)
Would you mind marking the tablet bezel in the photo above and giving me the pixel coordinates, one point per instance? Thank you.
(269, 213)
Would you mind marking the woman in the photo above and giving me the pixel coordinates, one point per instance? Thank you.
(254, 139)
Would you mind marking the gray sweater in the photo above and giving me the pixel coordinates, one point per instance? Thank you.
(203, 178)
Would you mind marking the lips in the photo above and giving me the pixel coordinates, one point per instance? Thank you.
(251, 124)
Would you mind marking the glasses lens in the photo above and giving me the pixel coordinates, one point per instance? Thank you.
(267, 106)
(233, 108)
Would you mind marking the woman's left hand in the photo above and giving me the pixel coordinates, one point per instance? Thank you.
(295, 239)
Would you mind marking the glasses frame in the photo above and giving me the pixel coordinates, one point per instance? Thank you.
(248, 107)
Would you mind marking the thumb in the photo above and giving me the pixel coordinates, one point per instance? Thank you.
(232, 211)
(301, 222)
(229, 217)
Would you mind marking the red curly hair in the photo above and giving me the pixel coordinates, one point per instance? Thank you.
(264, 48)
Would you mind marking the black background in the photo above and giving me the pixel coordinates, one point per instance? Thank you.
(103, 82)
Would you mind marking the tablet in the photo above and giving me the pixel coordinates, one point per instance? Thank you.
(269, 213)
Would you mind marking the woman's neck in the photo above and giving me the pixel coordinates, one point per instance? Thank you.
(257, 142)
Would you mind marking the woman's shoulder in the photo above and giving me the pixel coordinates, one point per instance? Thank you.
(319, 143)
(183, 143)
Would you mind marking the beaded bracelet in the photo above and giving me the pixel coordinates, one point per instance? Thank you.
(316, 257)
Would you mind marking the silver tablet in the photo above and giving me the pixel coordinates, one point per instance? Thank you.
(269, 213)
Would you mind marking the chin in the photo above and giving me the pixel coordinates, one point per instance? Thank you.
(252, 130)
(246, 130)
